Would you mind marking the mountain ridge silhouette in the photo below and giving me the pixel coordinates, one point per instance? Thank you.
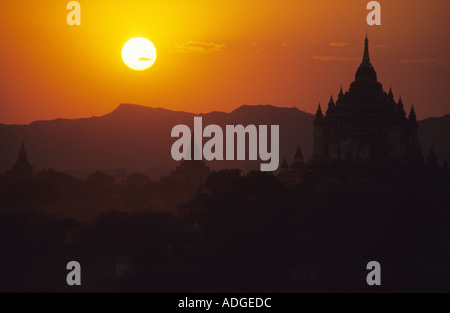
(136, 138)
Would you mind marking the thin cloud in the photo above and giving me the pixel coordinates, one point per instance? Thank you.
(199, 47)
(428, 61)
(329, 58)
(339, 44)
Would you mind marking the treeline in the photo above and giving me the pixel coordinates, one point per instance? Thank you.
(232, 233)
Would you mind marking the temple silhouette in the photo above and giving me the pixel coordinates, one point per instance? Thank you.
(22, 169)
(366, 124)
(292, 174)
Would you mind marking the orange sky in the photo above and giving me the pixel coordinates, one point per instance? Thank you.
(216, 55)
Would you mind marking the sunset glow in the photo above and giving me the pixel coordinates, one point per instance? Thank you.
(215, 55)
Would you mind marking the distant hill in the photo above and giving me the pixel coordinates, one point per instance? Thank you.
(435, 132)
(137, 138)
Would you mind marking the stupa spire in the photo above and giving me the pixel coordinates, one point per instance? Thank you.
(366, 56)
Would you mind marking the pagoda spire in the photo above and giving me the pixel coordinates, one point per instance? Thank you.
(284, 166)
(391, 96)
(340, 98)
(366, 72)
(400, 106)
(319, 112)
(331, 104)
(366, 56)
(22, 169)
(319, 115)
(400, 102)
(412, 114)
(298, 155)
(22, 154)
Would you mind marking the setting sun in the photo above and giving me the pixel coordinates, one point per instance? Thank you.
(139, 54)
